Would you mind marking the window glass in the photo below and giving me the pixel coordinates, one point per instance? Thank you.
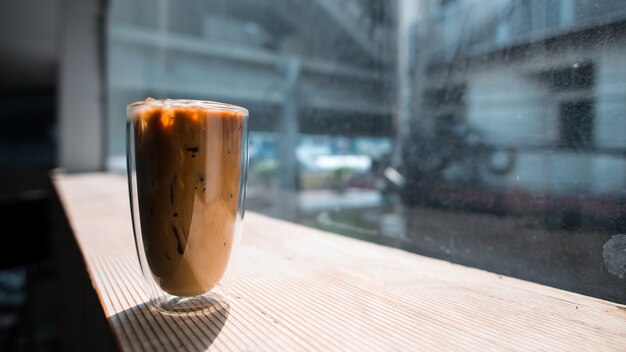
(487, 133)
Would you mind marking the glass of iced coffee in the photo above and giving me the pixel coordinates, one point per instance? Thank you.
(187, 164)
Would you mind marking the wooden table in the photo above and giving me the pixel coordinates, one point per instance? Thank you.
(297, 288)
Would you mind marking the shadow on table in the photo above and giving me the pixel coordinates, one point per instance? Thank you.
(142, 327)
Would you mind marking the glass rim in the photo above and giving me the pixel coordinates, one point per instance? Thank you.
(187, 103)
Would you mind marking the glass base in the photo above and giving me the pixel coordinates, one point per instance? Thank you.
(210, 302)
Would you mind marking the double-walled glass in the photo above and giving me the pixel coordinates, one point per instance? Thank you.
(187, 166)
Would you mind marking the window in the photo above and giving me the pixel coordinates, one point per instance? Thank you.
(576, 124)
(491, 134)
(572, 89)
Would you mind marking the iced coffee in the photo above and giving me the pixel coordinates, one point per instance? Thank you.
(188, 161)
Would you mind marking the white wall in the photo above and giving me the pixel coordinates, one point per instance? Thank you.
(609, 172)
(510, 108)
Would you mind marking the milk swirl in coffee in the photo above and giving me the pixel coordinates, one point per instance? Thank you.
(188, 166)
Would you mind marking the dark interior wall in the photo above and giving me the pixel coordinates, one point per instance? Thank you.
(29, 43)
(29, 63)
(29, 57)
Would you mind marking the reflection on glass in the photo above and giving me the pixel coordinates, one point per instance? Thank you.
(489, 134)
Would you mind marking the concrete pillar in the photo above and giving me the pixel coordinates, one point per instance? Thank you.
(81, 82)
(288, 128)
(287, 141)
(408, 14)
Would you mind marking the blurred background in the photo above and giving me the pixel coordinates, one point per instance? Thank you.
(487, 133)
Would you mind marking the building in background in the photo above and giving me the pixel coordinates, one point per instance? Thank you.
(519, 107)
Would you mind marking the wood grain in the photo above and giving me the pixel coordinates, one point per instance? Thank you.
(296, 288)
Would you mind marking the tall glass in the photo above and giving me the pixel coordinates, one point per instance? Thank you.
(187, 166)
